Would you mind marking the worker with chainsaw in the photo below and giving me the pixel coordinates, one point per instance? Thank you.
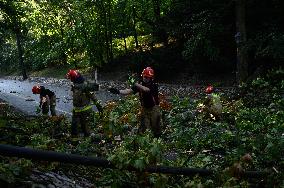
(47, 99)
(83, 96)
(148, 93)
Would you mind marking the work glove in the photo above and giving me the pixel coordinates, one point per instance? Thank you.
(114, 91)
(99, 107)
(132, 79)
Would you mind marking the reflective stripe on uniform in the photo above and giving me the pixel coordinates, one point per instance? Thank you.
(82, 109)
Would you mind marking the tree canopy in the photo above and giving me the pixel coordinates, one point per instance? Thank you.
(200, 34)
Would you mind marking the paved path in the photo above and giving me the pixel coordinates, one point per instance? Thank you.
(18, 94)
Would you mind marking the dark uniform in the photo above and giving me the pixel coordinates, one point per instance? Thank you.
(151, 115)
(43, 103)
(82, 108)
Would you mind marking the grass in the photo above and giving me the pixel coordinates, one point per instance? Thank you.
(50, 72)
(54, 72)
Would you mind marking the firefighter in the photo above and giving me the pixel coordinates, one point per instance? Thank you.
(213, 105)
(47, 99)
(148, 93)
(83, 97)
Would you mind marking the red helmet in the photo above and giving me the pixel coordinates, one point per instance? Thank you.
(148, 72)
(36, 89)
(209, 89)
(72, 74)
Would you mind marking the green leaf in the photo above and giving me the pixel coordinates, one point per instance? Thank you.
(139, 164)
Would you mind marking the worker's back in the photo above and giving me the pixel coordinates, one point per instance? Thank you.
(81, 97)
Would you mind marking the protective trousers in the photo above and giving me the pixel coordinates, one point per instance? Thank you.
(84, 118)
(151, 118)
(51, 106)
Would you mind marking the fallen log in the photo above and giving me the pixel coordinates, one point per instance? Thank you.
(52, 156)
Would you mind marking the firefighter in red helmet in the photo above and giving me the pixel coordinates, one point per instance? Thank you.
(83, 97)
(148, 72)
(212, 103)
(209, 89)
(47, 99)
(148, 93)
(74, 76)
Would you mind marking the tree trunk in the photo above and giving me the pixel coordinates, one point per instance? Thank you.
(134, 28)
(110, 31)
(125, 44)
(158, 31)
(63, 55)
(241, 39)
(96, 75)
(20, 53)
(106, 38)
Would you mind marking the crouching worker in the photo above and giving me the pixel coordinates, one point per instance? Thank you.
(212, 104)
(83, 96)
(148, 93)
(47, 99)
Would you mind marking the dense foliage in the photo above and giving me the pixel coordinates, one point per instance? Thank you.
(199, 34)
(178, 35)
(247, 135)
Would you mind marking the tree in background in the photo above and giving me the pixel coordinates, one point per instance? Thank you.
(168, 33)
(241, 40)
(12, 13)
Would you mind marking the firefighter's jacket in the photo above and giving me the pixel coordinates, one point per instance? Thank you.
(82, 98)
